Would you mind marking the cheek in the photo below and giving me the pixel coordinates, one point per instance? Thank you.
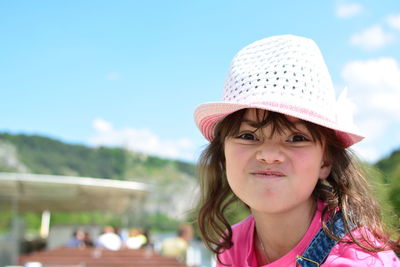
(310, 163)
(235, 161)
(229, 161)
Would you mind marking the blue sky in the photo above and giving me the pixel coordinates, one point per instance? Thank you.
(130, 73)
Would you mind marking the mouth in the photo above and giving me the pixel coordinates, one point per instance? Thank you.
(268, 174)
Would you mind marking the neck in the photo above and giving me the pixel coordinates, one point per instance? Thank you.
(280, 233)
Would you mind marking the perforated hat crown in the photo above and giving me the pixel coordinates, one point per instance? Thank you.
(285, 74)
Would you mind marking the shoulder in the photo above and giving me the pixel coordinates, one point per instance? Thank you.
(243, 231)
(242, 238)
(350, 254)
(244, 224)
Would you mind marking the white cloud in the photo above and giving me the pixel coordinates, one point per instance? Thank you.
(113, 76)
(375, 83)
(348, 10)
(101, 125)
(374, 86)
(373, 127)
(372, 38)
(366, 153)
(140, 140)
(394, 21)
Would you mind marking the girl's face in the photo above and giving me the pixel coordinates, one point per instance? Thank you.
(277, 172)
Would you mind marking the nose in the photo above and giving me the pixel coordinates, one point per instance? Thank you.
(270, 153)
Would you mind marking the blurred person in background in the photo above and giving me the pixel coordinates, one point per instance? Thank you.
(176, 247)
(149, 242)
(77, 239)
(88, 241)
(109, 239)
(136, 239)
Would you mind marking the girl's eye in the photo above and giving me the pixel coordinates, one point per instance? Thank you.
(247, 136)
(297, 138)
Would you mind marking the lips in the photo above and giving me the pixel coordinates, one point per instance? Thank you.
(268, 174)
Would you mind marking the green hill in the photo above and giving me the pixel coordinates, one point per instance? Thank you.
(43, 155)
(163, 209)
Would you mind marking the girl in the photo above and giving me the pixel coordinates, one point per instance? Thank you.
(278, 143)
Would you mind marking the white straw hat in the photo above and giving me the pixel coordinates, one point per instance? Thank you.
(285, 74)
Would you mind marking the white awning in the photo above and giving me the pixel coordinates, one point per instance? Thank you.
(37, 192)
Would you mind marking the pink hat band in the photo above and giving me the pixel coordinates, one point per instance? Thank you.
(285, 74)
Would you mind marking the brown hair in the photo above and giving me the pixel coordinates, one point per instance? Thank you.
(345, 186)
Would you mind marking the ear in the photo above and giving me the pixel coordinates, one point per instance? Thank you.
(325, 169)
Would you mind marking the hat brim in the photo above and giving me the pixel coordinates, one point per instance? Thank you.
(208, 115)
